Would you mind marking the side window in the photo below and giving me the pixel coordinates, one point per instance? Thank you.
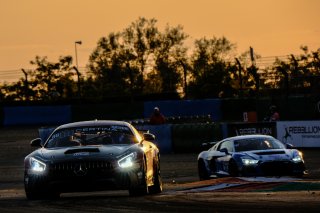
(228, 145)
(214, 148)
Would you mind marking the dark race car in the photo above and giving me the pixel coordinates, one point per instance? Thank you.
(250, 155)
(93, 156)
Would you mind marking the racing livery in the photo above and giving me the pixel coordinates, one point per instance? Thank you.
(250, 155)
(93, 156)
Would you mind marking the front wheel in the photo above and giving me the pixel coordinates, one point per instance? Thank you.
(157, 181)
(36, 192)
(233, 169)
(202, 171)
(142, 189)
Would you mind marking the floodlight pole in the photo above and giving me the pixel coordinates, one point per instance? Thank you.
(26, 86)
(75, 47)
(76, 67)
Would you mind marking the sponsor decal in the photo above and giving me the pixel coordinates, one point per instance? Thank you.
(251, 128)
(299, 133)
(81, 154)
(250, 131)
(102, 129)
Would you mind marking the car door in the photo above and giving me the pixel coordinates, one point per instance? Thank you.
(223, 161)
(150, 154)
(149, 151)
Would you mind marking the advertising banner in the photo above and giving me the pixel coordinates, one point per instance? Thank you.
(263, 128)
(299, 133)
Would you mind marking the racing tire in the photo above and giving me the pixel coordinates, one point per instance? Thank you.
(157, 181)
(202, 171)
(143, 188)
(35, 192)
(233, 169)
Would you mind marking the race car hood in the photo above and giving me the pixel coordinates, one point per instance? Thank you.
(270, 155)
(85, 152)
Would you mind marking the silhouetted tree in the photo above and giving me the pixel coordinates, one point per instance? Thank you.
(48, 81)
(107, 67)
(139, 60)
(141, 39)
(300, 72)
(170, 57)
(211, 63)
(13, 92)
(143, 60)
(52, 80)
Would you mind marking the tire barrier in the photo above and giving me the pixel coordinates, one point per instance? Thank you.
(183, 138)
(185, 108)
(163, 136)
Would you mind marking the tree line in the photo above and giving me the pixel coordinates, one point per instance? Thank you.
(141, 60)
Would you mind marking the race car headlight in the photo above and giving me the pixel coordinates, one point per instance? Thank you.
(127, 161)
(249, 162)
(36, 165)
(298, 157)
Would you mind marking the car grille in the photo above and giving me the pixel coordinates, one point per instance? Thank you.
(277, 168)
(81, 169)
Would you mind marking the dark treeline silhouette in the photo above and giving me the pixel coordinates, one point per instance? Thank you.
(142, 62)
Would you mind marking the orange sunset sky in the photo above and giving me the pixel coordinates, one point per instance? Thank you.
(50, 27)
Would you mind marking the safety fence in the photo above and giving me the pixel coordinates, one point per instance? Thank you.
(176, 111)
(172, 138)
(189, 138)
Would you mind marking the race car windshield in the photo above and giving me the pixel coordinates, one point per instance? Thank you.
(86, 136)
(256, 144)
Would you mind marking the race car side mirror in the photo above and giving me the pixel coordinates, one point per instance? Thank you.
(36, 142)
(289, 146)
(225, 150)
(149, 137)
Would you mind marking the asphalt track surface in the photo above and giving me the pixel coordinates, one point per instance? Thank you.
(182, 190)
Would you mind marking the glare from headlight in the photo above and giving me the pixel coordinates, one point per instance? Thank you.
(127, 161)
(37, 165)
(298, 158)
(249, 162)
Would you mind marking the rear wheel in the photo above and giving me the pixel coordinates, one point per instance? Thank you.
(202, 171)
(36, 192)
(157, 181)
